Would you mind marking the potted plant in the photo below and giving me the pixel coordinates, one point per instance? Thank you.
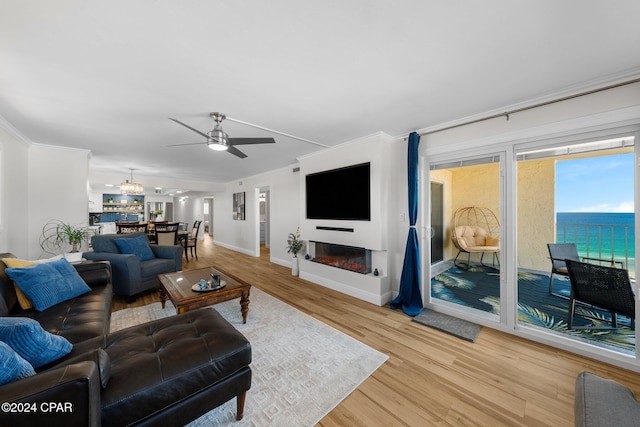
(57, 236)
(156, 215)
(294, 245)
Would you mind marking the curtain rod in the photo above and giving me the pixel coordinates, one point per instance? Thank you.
(531, 107)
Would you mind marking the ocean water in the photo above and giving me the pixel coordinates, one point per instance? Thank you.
(599, 234)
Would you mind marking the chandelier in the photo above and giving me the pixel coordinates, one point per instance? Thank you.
(130, 187)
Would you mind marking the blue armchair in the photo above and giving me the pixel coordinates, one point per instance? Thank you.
(130, 275)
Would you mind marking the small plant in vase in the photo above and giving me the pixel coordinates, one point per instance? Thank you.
(294, 245)
(157, 215)
(57, 236)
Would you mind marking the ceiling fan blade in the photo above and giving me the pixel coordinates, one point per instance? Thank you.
(189, 127)
(247, 141)
(189, 143)
(233, 150)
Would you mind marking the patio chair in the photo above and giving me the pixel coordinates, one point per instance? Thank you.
(559, 252)
(602, 287)
(476, 229)
(473, 239)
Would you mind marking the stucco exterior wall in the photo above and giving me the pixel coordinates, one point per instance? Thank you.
(475, 186)
(479, 186)
(536, 206)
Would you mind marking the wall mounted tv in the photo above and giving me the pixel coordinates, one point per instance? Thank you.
(340, 194)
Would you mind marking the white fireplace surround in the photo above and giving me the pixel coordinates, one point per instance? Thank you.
(370, 235)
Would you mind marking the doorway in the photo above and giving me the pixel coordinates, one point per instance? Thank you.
(437, 222)
(262, 197)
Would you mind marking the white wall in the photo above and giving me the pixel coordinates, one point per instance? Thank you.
(586, 114)
(243, 236)
(189, 210)
(14, 201)
(38, 183)
(58, 190)
(398, 224)
(367, 234)
(387, 231)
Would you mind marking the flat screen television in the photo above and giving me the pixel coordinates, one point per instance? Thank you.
(340, 194)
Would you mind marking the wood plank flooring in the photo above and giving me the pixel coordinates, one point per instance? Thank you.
(430, 378)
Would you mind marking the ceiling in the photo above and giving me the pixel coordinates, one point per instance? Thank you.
(106, 75)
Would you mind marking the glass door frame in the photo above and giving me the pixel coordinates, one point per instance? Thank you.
(463, 312)
(567, 343)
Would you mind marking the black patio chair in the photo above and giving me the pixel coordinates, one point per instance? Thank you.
(607, 288)
(559, 252)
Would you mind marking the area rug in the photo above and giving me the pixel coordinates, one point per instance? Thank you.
(302, 368)
(457, 327)
(479, 288)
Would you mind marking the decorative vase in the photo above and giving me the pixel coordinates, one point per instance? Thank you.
(73, 257)
(295, 268)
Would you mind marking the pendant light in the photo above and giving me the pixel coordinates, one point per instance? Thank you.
(130, 187)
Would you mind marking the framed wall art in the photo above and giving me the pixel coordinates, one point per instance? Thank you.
(238, 206)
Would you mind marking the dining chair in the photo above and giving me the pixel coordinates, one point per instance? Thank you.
(604, 287)
(167, 237)
(166, 226)
(191, 240)
(130, 227)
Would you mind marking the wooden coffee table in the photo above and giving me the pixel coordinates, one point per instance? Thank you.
(177, 287)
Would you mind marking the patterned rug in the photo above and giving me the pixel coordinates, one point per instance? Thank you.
(479, 287)
(302, 368)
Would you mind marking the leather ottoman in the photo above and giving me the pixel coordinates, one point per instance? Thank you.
(173, 370)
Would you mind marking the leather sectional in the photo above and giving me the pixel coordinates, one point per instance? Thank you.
(169, 371)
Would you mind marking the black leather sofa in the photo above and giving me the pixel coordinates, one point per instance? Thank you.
(165, 372)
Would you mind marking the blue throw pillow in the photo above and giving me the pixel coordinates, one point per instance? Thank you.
(138, 246)
(48, 284)
(35, 345)
(12, 366)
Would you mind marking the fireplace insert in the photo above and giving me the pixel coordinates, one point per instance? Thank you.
(340, 256)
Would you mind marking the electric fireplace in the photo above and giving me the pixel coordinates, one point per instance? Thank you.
(346, 257)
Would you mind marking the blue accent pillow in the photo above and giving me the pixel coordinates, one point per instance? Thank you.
(35, 345)
(48, 284)
(12, 366)
(138, 246)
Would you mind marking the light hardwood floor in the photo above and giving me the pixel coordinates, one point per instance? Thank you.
(430, 378)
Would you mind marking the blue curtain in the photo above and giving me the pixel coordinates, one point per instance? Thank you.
(410, 299)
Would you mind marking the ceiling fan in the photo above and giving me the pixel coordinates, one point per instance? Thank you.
(219, 140)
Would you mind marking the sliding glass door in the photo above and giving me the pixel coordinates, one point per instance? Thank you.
(575, 197)
(470, 278)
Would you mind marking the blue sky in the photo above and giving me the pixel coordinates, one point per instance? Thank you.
(596, 184)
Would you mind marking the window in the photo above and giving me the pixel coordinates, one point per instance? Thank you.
(581, 194)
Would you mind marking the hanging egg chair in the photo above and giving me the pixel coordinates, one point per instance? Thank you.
(476, 229)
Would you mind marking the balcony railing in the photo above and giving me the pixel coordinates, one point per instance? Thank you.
(603, 241)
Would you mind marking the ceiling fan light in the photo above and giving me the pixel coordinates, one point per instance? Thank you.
(218, 139)
(218, 147)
